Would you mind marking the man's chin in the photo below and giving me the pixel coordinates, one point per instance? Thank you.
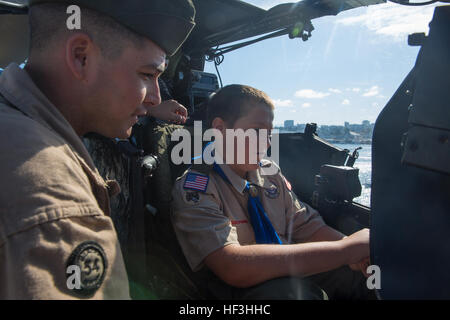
(125, 135)
(113, 134)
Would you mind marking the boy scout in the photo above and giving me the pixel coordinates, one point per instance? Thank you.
(231, 218)
(57, 240)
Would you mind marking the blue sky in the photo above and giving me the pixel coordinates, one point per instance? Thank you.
(346, 71)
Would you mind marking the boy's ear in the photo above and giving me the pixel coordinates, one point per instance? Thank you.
(219, 124)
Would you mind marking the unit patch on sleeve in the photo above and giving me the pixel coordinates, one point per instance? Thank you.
(196, 181)
(193, 196)
(89, 259)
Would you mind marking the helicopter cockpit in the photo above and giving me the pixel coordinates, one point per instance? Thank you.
(409, 207)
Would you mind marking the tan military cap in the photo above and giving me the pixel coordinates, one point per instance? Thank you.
(168, 23)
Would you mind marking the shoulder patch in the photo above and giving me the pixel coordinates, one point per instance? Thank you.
(196, 181)
(90, 260)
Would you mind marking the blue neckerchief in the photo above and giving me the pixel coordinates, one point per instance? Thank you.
(264, 231)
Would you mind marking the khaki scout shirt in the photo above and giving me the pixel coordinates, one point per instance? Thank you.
(54, 205)
(207, 221)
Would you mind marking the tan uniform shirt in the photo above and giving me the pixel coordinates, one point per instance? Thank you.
(54, 205)
(207, 221)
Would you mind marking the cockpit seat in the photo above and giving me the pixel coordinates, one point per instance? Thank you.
(170, 275)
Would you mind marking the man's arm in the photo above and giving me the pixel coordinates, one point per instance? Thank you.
(245, 266)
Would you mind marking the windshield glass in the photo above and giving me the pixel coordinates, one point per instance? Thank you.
(14, 1)
(341, 78)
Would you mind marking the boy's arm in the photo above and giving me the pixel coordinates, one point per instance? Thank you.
(245, 266)
(294, 212)
(326, 233)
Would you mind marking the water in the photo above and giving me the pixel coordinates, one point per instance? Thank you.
(364, 164)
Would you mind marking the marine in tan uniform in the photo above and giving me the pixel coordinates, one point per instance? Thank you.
(57, 240)
(213, 222)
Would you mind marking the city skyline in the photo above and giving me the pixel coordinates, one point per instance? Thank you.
(286, 123)
(348, 133)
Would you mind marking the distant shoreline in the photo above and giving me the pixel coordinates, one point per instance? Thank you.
(335, 141)
(368, 142)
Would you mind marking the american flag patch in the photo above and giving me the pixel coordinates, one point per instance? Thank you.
(195, 181)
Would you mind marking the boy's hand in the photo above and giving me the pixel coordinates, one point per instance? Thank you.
(169, 110)
(361, 266)
(357, 247)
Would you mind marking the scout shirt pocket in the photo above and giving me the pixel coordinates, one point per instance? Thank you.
(244, 230)
(235, 208)
(273, 202)
(302, 221)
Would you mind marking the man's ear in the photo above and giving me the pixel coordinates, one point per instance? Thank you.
(79, 55)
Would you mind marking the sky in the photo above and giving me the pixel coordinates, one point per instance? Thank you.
(347, 70)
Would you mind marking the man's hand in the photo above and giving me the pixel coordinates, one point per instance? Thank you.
(169, 110)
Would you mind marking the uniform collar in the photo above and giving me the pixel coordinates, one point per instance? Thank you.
(257, 178)
(254, 177)
(18, 89)
(236, 181)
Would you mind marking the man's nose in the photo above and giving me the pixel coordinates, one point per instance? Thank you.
(153, 96)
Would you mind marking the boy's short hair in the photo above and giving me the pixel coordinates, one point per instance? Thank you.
(235, 101)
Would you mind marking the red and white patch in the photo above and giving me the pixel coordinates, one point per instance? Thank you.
(288, 184)
(236, 222)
